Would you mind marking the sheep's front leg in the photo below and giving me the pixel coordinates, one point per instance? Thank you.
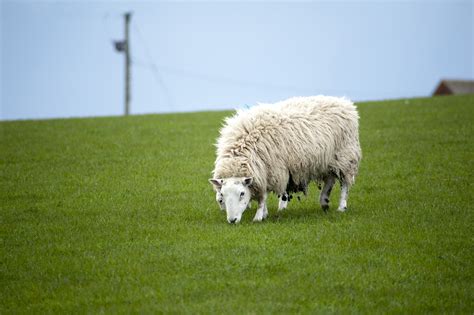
(283, 200)
(262, 211)
(344, 196)
(326, 192)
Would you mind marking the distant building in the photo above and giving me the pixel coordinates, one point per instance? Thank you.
(452, 87)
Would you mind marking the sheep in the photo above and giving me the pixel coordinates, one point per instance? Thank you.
(282, 148)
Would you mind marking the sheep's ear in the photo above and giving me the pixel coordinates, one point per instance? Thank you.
(248, 181)
(216, 182)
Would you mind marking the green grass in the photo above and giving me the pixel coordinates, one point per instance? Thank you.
(116, 215)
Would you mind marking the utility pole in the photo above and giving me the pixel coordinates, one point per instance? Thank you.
(124, 46)
(127, 16)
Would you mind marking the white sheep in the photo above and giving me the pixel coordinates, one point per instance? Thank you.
(281, 148)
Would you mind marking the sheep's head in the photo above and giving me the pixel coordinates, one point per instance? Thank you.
(233, 195)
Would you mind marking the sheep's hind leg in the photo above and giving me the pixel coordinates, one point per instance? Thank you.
(283, 201)
(344, 196)
(326, 192)
(262, 211)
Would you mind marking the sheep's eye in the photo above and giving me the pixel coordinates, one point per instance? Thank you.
(220, 200)
(242, 194)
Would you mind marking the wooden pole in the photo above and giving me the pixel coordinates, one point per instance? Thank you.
(127, 16)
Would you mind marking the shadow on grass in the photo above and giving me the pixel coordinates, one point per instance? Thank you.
(303, 215)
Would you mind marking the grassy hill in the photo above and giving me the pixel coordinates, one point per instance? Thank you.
(116, 215)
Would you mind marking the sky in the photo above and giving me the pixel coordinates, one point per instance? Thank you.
(57, 57)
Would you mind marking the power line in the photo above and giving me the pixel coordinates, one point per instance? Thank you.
(157, 71)
(152, 66)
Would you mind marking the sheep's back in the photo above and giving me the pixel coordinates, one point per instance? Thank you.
(299, 136)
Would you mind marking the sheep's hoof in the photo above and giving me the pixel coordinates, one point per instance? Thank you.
(342, 209)
(325, 208)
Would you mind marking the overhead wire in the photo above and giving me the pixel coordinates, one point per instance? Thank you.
(151, 65)
(157, 69)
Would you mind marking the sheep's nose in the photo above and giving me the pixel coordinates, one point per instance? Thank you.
(233, 220)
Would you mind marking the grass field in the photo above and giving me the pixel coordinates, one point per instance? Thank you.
(116, 215)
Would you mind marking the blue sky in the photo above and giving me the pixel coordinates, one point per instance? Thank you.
(57, 58)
